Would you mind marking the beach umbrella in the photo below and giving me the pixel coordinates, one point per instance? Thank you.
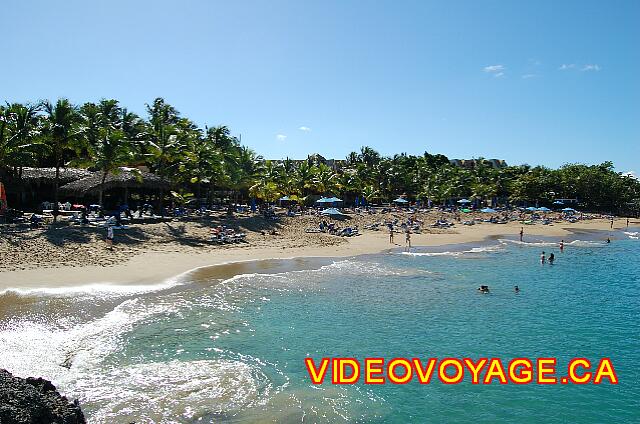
(464, 201)
(400, 200)
(544, 209)
(531, 209)
(332, 212)
(558, 202)
(487, 210)
(328, 200)
(284, 198)
(466, 210)
(569, 210)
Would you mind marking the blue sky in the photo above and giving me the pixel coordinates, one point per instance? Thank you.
(545, 82)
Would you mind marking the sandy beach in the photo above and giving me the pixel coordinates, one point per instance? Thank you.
(153, 253)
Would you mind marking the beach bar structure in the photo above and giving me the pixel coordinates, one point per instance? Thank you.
(29, 187)
(118, 185)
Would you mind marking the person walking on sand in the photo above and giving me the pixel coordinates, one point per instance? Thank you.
(110, 237)
(612, 222)
(390, 233)
(521, 232)
(543, 258)
(407, 240)
(627, 223)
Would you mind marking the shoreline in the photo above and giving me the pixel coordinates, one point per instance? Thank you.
(158, 267)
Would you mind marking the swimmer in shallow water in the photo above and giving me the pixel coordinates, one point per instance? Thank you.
(552, 258)
(543, 258)
(483, 289)
(562, 245)
(608, 240)
(516, 289)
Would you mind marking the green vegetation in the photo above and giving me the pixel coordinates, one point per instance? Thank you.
(104, 136)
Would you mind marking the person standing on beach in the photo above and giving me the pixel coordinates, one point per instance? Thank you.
(612, 222)
(390, 233)
(110, 237)
(407, 240)
(521, 232)
(627, 223)
(543, 258)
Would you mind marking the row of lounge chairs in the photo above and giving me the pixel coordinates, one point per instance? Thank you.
(336, 231)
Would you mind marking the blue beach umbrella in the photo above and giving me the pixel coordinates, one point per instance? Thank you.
(464, 201)
(531, 209)
(400, 200)
(487, 210)
(558, 202)
(544, 209)
(569, 210)
(332, 212)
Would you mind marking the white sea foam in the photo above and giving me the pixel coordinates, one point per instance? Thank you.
(482, 249)
(172, 391)
(78, 358)
(574, 243)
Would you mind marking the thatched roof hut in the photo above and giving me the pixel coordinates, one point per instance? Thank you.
(40, 175)
(127, 178)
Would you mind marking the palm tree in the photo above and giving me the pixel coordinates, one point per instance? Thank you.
(324, 179)
(107, 143)
(164, 146)
(19, 131)
(304, 176)
(370, 193)
(62, 130)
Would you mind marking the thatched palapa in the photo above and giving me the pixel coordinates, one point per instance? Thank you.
(40, 175)
(126, 178)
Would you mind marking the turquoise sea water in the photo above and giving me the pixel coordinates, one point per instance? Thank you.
(205, 350)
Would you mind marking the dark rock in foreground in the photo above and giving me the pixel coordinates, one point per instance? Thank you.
(35, 401)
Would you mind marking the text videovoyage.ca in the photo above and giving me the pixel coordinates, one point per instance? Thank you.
(460, 370)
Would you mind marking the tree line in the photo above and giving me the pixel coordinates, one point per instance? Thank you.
(105, 136)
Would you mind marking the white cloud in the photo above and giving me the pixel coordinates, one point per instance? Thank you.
(566, 66)
(632, 174)
(281, 137)
(499, 74)
(527, 76)
(494, 69)
(592, 67)
(305, 129)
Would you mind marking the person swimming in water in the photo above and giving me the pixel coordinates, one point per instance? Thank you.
(552, 258)
(516, 289)
(608, 240)
(483, 289)
(562, 245)
(543, 258)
